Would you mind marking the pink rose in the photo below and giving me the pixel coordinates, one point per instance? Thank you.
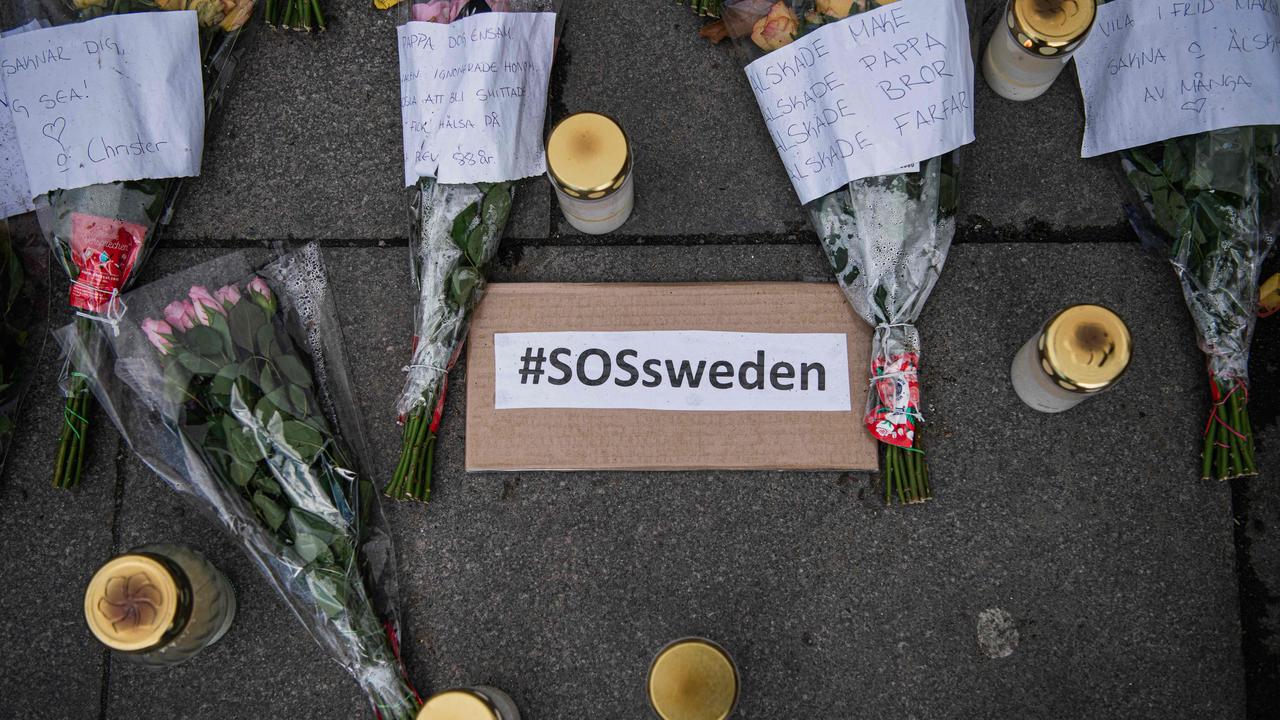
(438, 11)
(205, 304)
(260, 294)
(228, 295)
(159, 333)
(180, 314)
(500, 5)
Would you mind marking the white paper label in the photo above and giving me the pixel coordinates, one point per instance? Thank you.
(15, 190)
(1150, 71)
(672, 370)
(116, 98)
(474, 96)
(869, 94)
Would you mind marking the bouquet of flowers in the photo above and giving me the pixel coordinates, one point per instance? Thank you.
(886, 237)
(105, 232)
(22, 285)
(1212, 202)
(239, 397)
(454, 234)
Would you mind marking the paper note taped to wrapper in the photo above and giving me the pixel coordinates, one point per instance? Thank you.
(1150, 71)
(685, 370)
(765, 376)
(473, 96)
(116, 98)
(15, 189)
(868, 95)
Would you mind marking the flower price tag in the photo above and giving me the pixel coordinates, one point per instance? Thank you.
(15, 190)
(116, 98)
(1153, 70)
(474, 96)
(867, 95)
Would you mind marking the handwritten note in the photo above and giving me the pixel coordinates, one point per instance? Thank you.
(15, 190)
(869, 94)
(474, 96)
(1153, 70)
(116, 98)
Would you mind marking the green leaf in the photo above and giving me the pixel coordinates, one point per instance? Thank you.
(197, 364)
(461, 285)
(298, 398)
(328, 587)
(204, 340)
(241, 442)
(462, 226)
(222, 382)
(244, 320)
(294, 369)
(267, 484)
(476, 245)
(242, 472)
(311, 548)
(304, 439)
(267, 379)
(496, 206)
(272, 514)
(177, 378)
(264, 339)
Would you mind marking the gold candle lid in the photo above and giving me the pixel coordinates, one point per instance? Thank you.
(588, 155)
(458, 705)
(135, 603)
(1050, 27)
(1085, 348)
(693, 679)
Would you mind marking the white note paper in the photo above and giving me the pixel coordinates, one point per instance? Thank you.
(1150, 71)
(474, 96)
(869, 94)
(15, 190)
(116, 98)
(688, 370)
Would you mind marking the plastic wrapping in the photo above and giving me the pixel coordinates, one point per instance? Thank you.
(118, 219)
(1211, 202)
(24, 316)
(240, 398)
(886, 237)
(455, 231)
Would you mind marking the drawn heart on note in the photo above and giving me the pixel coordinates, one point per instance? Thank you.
(1197, 104)
(54, 130)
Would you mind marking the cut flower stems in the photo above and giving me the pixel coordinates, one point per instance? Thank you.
(300, 15)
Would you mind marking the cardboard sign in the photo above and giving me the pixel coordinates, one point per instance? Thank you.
(722, 328)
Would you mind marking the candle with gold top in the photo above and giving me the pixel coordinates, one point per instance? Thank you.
(159, 604)
(1032, 45)
(1081, 351)
(589, 162)
(474, 703)
(693, 679)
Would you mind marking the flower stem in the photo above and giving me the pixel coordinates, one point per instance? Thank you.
(906, 474)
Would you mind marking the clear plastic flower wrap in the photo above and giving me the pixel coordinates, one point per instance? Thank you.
(240, 398)
(78, 223)
(886, 238)
(454, 233)
(24, 318)
(1211, 201)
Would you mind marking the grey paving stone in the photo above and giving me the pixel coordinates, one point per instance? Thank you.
(308, 144)
(1089, 528)
(266, 666)
(53, 541)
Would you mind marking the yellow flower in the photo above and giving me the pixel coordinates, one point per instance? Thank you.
(1269, 296)
(776, 29)
(171, 4)
(209, 12)
(237, 12)
(834, 8)
(83, 4)
(385, 4)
